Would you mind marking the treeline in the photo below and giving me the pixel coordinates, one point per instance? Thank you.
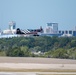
(54, 47)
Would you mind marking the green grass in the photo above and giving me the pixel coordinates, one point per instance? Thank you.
(38, 70)
(35, 70)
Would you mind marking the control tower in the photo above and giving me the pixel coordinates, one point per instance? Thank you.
(12, 25)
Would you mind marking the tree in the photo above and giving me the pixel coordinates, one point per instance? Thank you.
(73, 43)
(25, 51)
(15, 52)
(58, 53)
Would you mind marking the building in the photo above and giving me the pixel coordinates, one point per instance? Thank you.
(11, 29)
(51, 28)
(12, 25)
(67, 33)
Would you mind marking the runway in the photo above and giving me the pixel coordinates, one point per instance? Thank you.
(36, 66)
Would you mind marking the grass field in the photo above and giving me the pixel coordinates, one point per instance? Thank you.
(36, 60)
(35, 70)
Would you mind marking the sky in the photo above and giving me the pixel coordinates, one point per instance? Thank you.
(31, 14)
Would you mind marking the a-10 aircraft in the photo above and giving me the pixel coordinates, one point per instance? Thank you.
(33, 32)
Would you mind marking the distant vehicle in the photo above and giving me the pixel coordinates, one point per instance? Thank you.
(33, 32)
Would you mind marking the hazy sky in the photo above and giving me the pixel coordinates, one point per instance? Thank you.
(35, 13)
